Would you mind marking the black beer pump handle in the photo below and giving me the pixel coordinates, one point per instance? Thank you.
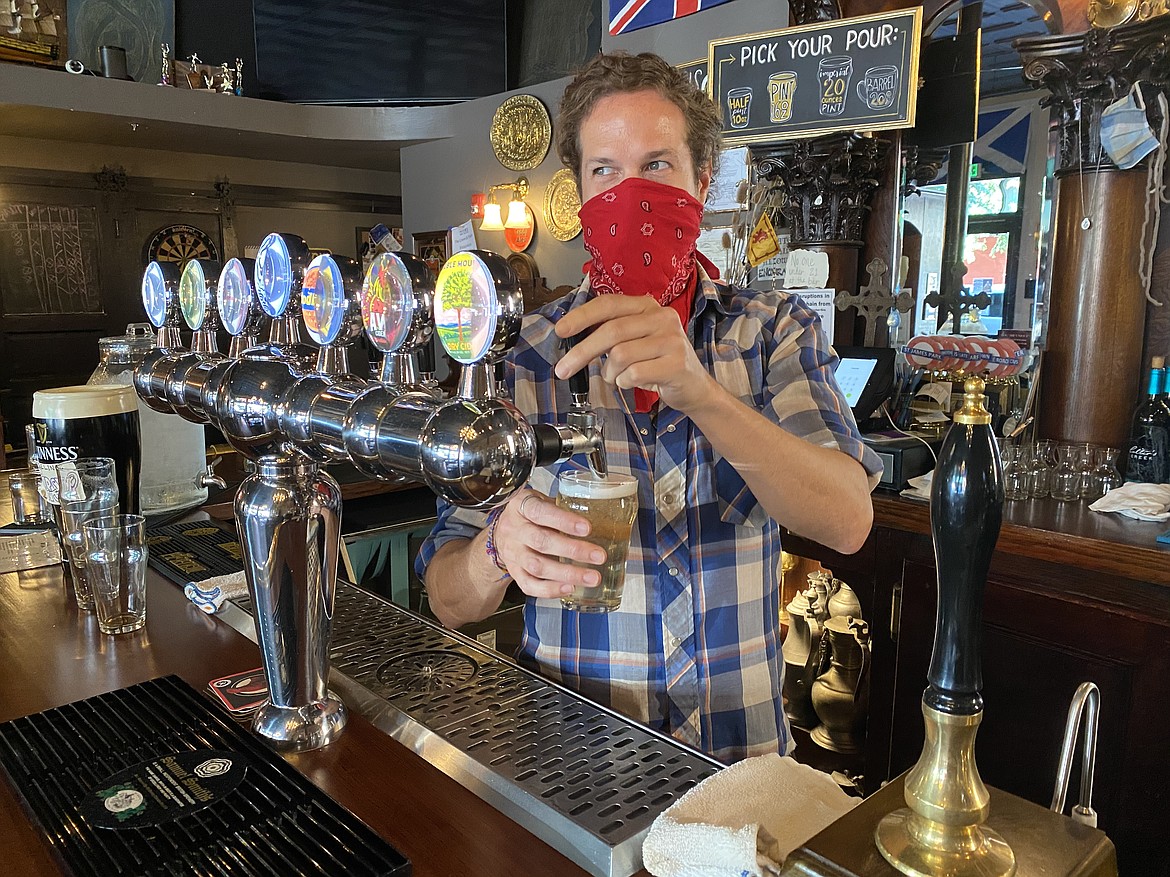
(579, 380)
(426, 356)
(966, 509)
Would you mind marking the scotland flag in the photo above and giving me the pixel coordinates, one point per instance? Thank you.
(626, 15)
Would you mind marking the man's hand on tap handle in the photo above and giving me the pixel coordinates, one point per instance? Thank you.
(533, 534)
(644, 346)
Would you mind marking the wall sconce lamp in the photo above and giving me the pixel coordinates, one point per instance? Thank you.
(518, 213)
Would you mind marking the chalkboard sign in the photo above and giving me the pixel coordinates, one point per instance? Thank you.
(854, 74)
(49, 259)
(696, 72)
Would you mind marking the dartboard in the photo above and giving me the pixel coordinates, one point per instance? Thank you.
(180, 243)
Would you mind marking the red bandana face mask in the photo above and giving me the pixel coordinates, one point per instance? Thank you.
(641, 238)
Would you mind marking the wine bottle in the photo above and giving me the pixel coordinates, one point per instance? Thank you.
(1149, 445)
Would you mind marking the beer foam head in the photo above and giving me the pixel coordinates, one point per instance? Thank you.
(69, 403)
(587, 485)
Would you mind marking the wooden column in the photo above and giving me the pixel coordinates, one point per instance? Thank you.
(1096, 310)
(1096, 302)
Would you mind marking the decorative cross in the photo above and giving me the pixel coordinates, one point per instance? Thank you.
(954, 301)
(874, 299)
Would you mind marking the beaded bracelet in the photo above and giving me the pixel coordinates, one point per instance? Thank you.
(490, 548)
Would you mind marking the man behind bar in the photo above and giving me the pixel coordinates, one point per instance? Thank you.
(720, 401)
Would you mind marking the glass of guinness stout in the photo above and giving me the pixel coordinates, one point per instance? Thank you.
(91, 421)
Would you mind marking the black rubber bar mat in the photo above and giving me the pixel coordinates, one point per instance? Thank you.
(153, 780)
(193, 552)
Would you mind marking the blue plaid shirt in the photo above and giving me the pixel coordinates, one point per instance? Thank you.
(694, 649)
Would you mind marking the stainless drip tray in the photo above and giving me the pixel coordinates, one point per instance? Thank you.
(582, 778)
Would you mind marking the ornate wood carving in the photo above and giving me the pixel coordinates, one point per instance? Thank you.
(1087, 72)
(810, 11)
(922, 167)
(828, 183)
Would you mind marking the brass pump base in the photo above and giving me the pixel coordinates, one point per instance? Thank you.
(942, 833)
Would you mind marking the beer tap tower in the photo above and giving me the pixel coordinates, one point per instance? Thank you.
(289, 408)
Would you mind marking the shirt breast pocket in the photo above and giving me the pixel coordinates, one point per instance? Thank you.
(739, 372)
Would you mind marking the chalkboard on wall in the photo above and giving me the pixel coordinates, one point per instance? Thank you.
(853, 74)
(696, 72)
(49, 260)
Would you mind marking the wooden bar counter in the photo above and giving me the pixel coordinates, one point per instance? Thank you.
(1072, 596)
(52, 654)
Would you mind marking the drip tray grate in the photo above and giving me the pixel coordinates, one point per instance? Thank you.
(151, 780)
(586, 780)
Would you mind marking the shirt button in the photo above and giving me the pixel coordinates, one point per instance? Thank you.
(644, 431)
(673, 571)
(670, 428)
(669, 499)
(675, 642)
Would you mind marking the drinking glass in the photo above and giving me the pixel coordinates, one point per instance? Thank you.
(1066, 481)
(88, 477)
(74, 514)
(1105, 474)
(1041, 464)
(28, 506)
(1015, 472)
(610, 503)
(1087, 466)
(115, 558)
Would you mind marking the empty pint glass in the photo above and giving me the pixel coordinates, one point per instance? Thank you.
(610, 503)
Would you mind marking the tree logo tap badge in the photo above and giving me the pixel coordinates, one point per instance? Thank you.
(466, 308)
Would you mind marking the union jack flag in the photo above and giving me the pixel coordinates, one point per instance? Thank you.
(627, 15)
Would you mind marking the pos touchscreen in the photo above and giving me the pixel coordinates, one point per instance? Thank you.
(866, 376)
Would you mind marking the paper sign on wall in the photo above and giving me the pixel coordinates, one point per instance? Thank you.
(806, 268)
(462, 237)
(822, 301)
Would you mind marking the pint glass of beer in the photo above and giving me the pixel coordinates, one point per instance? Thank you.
(611, 505)
(781, 93)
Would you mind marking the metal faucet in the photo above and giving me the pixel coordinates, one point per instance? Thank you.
(1086, 704)
(288, 407)
(582, 420)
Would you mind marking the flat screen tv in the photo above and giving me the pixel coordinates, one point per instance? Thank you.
(380, 51)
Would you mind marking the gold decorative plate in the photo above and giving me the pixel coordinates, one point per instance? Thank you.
(521, 132)
(561, 203)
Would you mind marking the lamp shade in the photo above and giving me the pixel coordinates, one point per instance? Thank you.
(517, 215)
(492, 219)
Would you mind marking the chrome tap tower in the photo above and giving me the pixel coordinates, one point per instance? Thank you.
(291, 407)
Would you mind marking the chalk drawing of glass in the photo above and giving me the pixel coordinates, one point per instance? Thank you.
(739, 107)
(834, 75)
(781, 93)
(879, 87)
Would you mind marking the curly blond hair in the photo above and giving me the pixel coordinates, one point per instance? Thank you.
(621, 72)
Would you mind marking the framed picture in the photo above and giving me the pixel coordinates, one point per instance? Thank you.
(367, 249)
(432, 248)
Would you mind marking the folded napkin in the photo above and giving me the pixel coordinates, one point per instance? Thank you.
(919, 488)
(210, 594)
(1146, 502)
(743, 820)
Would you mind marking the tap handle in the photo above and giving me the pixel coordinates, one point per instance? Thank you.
(426, 357)
(579, 381)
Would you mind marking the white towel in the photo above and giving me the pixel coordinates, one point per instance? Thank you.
(210, 594)
(1146, 502)
(744, 820)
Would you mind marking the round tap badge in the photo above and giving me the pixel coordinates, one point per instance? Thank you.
(234, 295)
(155, 294)
(323, 299)
(387, 302)
(273, 275)
(466, 308)
(193, 294)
